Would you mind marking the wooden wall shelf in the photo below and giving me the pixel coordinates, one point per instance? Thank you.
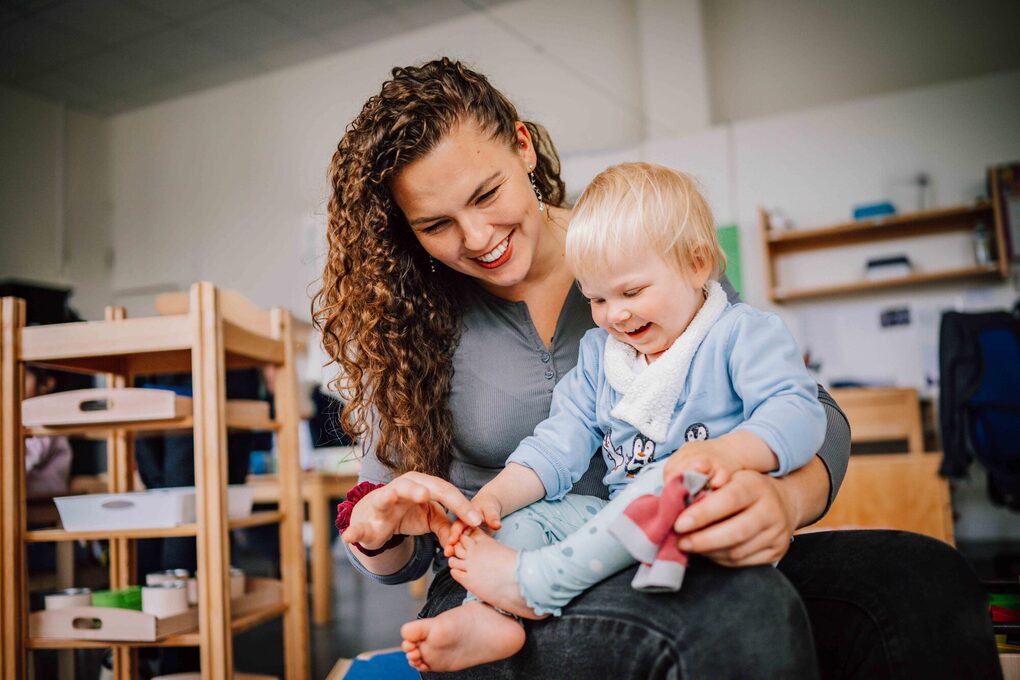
(975, 272)
(882, 228)
(956, 219)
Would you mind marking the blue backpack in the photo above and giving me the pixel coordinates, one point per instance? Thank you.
(979, 400)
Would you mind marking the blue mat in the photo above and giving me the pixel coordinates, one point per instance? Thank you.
(389, 665)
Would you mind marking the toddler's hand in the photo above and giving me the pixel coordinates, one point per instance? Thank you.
(491, 510)
(705, 457)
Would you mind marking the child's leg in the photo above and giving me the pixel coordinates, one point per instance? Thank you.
(469, 635)
(475, 633)
(548, 578)
(543, 523)
(491, 572)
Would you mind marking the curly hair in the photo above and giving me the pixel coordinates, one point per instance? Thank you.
(390, 323)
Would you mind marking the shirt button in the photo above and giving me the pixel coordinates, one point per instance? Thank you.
(549, 375)
(545, 357)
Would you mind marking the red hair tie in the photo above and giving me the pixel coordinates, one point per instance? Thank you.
(343, 517)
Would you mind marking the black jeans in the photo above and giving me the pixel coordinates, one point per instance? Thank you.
(880, 604)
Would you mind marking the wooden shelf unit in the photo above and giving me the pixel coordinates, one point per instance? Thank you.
(217, 330)
(962, 218)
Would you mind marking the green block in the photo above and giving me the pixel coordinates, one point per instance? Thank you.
(125, 598)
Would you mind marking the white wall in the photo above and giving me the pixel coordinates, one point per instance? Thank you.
(771, 57)
(674, 79)
(230, 185)
(31, 166)
(54, 198)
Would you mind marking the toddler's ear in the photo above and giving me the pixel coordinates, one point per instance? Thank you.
(702, 265)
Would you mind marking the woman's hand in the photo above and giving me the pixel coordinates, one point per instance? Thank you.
(412, 504)
(747, 521)
(491, 511)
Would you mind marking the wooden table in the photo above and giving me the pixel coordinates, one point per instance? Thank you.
(317, 489)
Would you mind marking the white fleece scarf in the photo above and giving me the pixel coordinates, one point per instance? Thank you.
(650, 393)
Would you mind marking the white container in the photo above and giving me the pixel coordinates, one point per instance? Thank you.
(165, 599)
(153, 509)
(240, 498)
(154, 578)
(70, 597)
(237, 583)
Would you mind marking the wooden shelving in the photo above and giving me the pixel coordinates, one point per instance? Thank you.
(960, 219)
(100, 431)
(975, 272)
(55, 535)
(209, 332)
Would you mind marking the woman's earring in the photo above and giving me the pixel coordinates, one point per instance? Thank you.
(432, 264)
(538, 192)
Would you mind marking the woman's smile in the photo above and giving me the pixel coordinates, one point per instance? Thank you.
(499, 255)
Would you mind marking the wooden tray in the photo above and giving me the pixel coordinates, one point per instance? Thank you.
(108, 623)
(127, 625)
(103, 405)
(107, 405)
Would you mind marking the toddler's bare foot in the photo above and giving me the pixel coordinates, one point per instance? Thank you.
(487, 568)
(460, 638)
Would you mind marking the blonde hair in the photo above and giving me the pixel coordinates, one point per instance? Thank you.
(634, 206)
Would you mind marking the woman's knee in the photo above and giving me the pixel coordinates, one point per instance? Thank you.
(716, 609)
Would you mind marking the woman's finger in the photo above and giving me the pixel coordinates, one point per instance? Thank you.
(723, 535)
(439, 523)
(446, 494)
(353, 534)
(712, 508)
(719, 478)
(743, 554)
(766, 556)
(453, 536)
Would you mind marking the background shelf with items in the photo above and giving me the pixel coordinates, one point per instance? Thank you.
(898, 235)
(218, 330)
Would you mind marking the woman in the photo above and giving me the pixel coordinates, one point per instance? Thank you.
(446, 303)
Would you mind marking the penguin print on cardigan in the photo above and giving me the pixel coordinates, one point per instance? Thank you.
(696, 432)
(642, 453)
(613, 453)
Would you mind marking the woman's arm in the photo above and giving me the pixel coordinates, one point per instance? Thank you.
(835, 451)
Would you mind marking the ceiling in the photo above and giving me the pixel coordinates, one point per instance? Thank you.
(110, 56)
